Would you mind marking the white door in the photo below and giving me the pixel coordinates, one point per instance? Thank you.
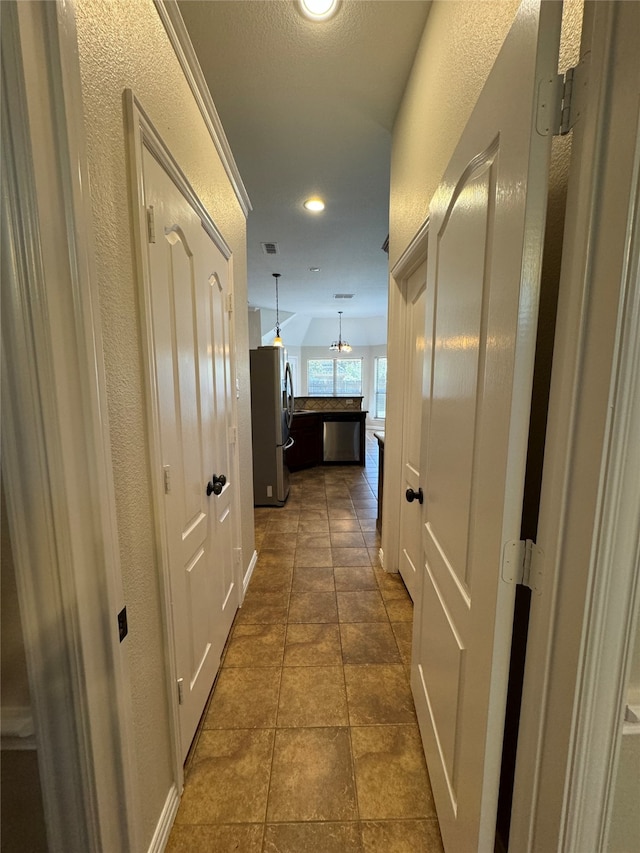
(215, 271)
(410, 511)
(188, 281)
(485, 243)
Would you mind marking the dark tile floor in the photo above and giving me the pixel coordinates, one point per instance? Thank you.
(310, 742)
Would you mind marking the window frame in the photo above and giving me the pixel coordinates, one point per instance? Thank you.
(335, 377)
(376, 391)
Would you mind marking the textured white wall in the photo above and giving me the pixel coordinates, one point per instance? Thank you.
(124, 45)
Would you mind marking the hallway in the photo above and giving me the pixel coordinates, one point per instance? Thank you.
(310, 742)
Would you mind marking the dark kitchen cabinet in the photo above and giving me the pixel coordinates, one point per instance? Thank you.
(306, 431)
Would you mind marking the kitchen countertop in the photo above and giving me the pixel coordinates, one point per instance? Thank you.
(331, 412)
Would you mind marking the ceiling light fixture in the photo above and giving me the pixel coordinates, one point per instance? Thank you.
(277, 341)
(340, 345)
(315, 205)
(318, 10)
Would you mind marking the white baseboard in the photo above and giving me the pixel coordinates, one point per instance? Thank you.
(163, 828)
(390, 570)
(249, 573)
(16, 728)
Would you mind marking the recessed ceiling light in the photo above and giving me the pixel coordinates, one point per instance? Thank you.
(314, 204)
(318, 10)
(314, 269)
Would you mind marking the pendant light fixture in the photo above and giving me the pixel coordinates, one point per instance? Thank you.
(340, 345)
(277, 341)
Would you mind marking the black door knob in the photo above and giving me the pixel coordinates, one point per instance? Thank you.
(411, 495)
(216, 484)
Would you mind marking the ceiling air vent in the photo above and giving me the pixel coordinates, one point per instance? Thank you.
(270, 248)
(343, 295)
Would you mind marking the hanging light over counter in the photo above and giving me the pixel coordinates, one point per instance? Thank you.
(277, 341)
(340, 345)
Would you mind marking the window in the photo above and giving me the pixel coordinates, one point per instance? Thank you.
(334, 377)
(320, 377)
(381, 387)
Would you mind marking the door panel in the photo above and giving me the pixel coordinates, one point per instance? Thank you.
(226, 598)
(197, 598)
(485, 245)
(460, 327)
(188, 284)
(182, 282)
(410, 546)
(443, 670)
(461, 297)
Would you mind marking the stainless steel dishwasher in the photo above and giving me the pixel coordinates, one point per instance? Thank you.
(341, 439)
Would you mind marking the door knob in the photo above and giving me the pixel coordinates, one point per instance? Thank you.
(216, 484)
(411, 495)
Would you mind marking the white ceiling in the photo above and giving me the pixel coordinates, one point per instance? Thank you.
(308, 109)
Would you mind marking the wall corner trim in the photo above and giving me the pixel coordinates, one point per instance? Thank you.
(178, 36)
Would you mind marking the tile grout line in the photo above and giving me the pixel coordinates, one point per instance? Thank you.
(348, 483)
(275, 728)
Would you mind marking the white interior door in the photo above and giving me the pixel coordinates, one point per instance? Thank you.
(410, 559)
(188, 281)
(485, 245)
(215, 271)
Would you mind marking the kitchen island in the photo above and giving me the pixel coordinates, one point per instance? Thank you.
(330, 431)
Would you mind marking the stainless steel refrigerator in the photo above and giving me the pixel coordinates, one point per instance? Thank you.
(272, 404)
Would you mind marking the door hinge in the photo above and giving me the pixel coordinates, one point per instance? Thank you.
(230, 303)
(523, 563)
(562, 100)
(232, 435)
(166, 476)
(180, 691)
(151, 225)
